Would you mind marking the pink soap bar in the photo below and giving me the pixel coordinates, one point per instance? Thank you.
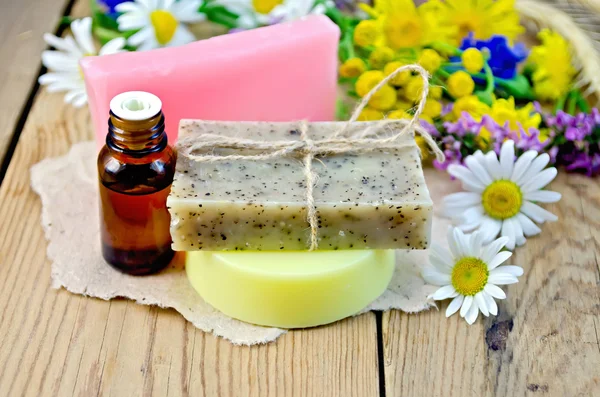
(283, 72)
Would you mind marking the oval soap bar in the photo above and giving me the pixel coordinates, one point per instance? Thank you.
(290, 289)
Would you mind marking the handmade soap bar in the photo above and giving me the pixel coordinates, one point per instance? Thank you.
(278, 73)
(375, 200)
(291, 289)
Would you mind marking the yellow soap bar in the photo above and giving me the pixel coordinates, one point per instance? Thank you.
(290, 289)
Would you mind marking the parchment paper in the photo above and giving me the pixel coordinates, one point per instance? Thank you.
(68, 188)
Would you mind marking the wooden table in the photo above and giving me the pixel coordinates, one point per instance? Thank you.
(545, 340)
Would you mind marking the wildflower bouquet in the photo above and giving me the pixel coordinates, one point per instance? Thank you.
(488, 86)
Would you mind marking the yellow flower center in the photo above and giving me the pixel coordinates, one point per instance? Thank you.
(165, 25)
(265, 6)
(402, 31)
(502, 199)
(469, 276)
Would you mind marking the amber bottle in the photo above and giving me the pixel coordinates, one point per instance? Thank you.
(135, 170)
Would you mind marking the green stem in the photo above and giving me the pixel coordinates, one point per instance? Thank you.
(582, 103)
(571, 102)
(560, 104)
(489, 77)
(445, 47)
(444, 73)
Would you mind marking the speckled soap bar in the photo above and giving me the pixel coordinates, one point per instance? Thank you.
(376, 200)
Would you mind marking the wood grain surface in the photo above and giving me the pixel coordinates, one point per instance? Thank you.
(22, 24)
(53, 343)
(544, 342)
(545, 339)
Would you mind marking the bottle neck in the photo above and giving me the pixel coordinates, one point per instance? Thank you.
(136, 137)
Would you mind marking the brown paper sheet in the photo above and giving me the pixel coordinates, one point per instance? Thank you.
(68, 188)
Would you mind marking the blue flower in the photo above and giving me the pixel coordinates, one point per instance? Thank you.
(108, 6)
(503, 59)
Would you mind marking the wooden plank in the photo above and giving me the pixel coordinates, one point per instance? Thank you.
(22, 24)
(56, 343)
(546, 337)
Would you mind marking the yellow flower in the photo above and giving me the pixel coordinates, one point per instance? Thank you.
(367, 33)
(380, 57)
(414, 89)
(432, 108)
(422, 144)
(435, 92)
(472, 60)
(430, 60)
(367, 81)
(353, 67)
(370, 114)
(384, 99)
(398, 115)
(553, 71)
(471, 105)
(503, 111)
(403, 25)
(482, 17)
(460, 84)
(401, 78)
(484, 139)
(403, 105)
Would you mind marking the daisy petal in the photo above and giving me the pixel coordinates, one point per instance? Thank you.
(60, 62)
(522, 164)
(529, 228)
(519, 235)
(480, 299)
(540, 180)
(502, 279)
(471, 217)
(128, 6)
(447, 291)
(462, 242)
(441, 253)
(80, 100)
(507, 158)
(453, 244)
(113, 46)
(536, 166)
(495, 291)
(543, 196)
(140, 37)
(441, 265)
(67, 44)
(537, 213)
(454, 305)
(466, 305)
(182, 36)
(462, 200)
(132, 21)
(509, 231)
(516, 271)
(493, 165)
(491, 303)
(499, 259)
(478, 170)
(490, 228)
(475, 244)
(469, 180)
(434, 277)
(473, 313)
(82, 30)
(490, 251)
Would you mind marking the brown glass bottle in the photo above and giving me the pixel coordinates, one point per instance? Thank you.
(135, 170)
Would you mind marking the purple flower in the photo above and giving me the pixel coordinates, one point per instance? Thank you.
(503, 59)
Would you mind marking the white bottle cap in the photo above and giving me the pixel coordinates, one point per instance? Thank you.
(135, 105)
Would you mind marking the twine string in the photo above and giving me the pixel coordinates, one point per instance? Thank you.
(365, 141)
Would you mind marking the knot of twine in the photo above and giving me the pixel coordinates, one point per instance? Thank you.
(364, 141)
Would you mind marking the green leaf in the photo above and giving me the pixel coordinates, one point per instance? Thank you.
(518, 87)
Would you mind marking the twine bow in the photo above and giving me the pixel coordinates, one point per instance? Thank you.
(364, 141)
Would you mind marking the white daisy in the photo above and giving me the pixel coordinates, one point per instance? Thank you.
(500, 195)
(253, 13)
(470, 273)
(65, 74)
(161, 23)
